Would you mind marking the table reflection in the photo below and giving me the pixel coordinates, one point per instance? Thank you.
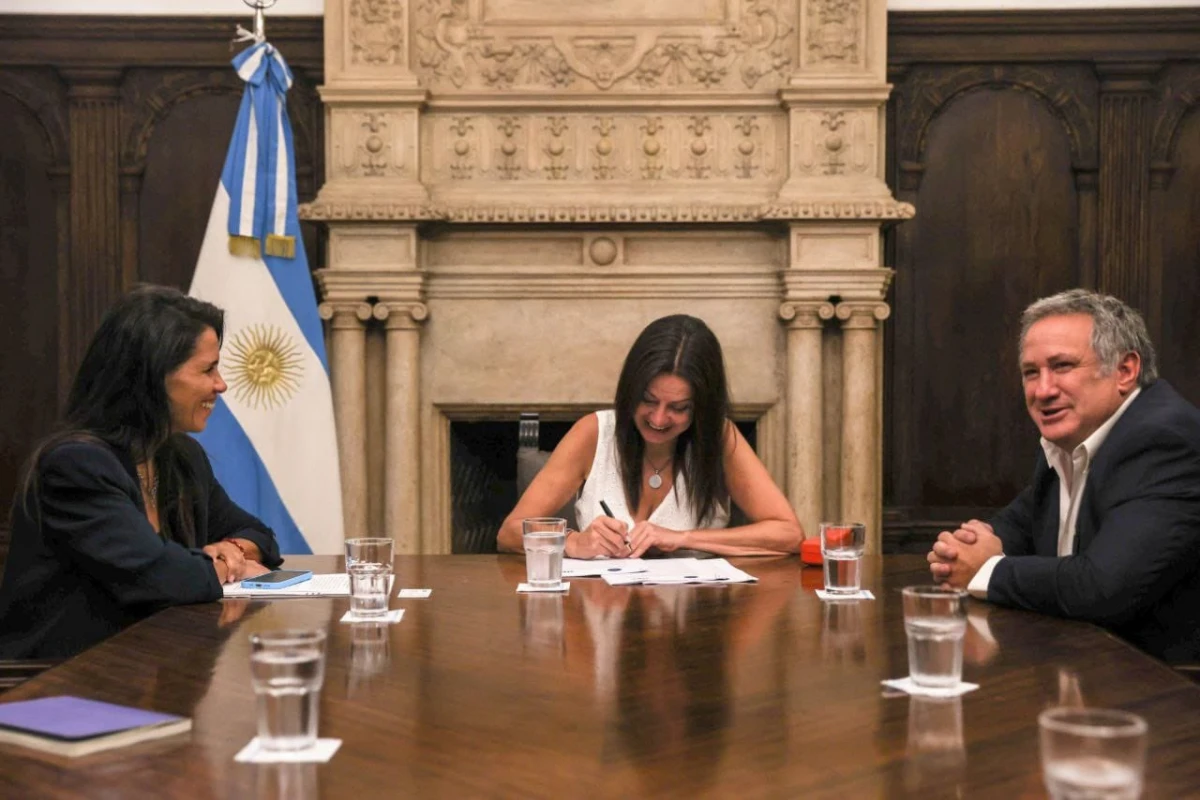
(936, 753)
(287, 782)
(370, 652)
(842, 631)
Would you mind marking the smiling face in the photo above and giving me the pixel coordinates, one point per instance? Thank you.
(1068, 392)
(665, 410)
(193, 387)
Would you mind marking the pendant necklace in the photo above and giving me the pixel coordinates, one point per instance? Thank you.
(656, 480)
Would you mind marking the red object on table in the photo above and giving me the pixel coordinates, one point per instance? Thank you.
(810, 551)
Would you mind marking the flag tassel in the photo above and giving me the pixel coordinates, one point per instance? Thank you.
(246, 247)
(281, 246)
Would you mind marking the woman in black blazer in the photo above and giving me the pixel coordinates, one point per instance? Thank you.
(118, 514)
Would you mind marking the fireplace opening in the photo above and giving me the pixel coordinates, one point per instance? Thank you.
(483, 476)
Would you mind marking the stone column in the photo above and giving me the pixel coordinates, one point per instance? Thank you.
(805, 480)
(861, 389)
(347, 353)
(402, 470)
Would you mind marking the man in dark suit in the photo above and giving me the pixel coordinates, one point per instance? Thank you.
(1108, 530)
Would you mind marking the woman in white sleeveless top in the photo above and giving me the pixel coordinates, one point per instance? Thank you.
(666, 461)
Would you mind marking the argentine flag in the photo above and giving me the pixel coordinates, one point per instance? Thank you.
(271, 437)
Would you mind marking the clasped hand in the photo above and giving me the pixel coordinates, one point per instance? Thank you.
(957, 556)
(237, 566)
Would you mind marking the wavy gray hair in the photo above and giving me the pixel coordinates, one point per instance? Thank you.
(1117, 329)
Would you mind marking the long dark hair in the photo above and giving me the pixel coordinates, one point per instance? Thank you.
(119, 395)
(684, 346)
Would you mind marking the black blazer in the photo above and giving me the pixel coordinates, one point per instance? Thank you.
(96, 565)
(1136, 563)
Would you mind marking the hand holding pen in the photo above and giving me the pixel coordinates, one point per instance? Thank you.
(625, 532)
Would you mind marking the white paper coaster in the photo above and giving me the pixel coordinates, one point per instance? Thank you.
(407, 593)
(395, 615)
(561, 588)
(319, 753)
(907, 686)
(862, 594)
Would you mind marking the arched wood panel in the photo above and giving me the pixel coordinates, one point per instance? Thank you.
(29, 234)
(184, 157)
(997, 227)
(1179, 227)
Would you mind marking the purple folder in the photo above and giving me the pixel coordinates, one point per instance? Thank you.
(74, 718)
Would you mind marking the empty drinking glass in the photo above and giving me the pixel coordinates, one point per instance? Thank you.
(368, 589)
(1092, 753)
(544, 539)
(842, 545)
(287, 669)
(935, 620)
(375, 550)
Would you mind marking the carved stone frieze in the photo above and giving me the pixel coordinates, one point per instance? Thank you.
(835, 142)
(373, 143)
(834, 33)
(611, 147)
(377, 32)
(816, 210)
(609, 45)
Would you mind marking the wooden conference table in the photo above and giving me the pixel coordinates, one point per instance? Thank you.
(722, 691)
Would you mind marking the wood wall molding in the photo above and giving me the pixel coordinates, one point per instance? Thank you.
(151, 42)
(1042, 36)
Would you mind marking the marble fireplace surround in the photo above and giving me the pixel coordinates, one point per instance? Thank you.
(514, 188)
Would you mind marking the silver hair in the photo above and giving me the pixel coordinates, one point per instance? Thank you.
(1117, 329)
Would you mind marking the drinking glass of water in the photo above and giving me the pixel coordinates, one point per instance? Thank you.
(1092, 752)
(935, 620)
(287, 669)
(375, 550)
(544, 539)
(368, 589)
(842, 545)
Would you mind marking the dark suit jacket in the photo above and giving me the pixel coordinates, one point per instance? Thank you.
(1136, 564)
(96, 565)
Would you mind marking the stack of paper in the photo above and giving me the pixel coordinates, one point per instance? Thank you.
(625, 571)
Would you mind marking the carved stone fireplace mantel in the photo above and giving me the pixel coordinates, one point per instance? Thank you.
(516, 187)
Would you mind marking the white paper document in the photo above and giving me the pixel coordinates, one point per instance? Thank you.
(681, 570)
(597, 567)
(335, 584)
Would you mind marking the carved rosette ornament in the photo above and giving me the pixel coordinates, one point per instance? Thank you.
(834, 30)
(464, 45)
(376, 32)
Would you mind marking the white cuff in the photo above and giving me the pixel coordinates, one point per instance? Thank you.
(978, 587)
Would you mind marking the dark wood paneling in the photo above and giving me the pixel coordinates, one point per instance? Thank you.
(1179, 227)
(997, 165)
(1042, 151)
(28, 289)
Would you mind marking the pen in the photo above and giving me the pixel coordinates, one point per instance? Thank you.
(608, 512)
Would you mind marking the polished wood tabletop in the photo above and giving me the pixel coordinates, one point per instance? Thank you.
(671, 691)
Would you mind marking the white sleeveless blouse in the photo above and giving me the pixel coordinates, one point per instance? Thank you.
(604, 483)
